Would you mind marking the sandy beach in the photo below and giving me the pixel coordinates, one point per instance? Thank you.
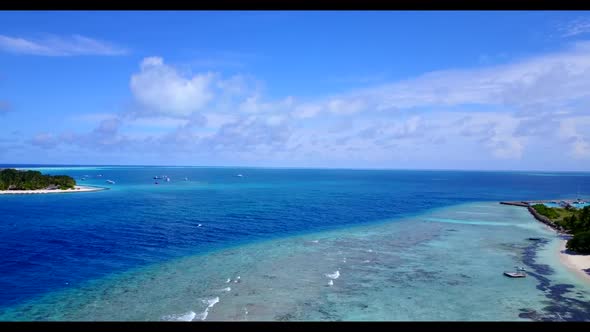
(576, 263)
(76, 189)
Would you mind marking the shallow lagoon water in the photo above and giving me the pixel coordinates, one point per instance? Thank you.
(412, 269)
(441, 263)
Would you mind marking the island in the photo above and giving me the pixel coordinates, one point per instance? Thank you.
(13, 181)
(571, 219)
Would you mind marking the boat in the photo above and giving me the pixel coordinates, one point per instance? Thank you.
(156, 177)
(239, 175)
(167, 179)
(110, 181)
(520, 273)
(515, 274)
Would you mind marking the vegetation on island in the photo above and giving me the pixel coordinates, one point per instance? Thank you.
(12, 179)
(576, 221)
(546, 211)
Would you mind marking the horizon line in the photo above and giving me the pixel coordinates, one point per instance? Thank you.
(301, 167)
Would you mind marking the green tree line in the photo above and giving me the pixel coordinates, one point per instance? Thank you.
(12, 179)
(576, 221)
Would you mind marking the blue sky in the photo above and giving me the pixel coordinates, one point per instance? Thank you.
(434, 90)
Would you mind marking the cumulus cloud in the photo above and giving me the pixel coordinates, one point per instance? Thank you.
(492, 113)
(248, 133)
(160, 88)
(59, 46)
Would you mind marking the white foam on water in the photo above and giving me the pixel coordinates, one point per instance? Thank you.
(210, 303)
(315, 241)
(199, 225)
(228, 281)
(344, 260)
(334, 275)
(237, 280)
(226, 289)
(370, 250)
(186, 317)
(470, 222)
(366, 261)
(331, 282)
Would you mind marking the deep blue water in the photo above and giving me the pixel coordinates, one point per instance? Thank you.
(50, 242)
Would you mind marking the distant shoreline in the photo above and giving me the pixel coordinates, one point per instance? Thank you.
(77, 189)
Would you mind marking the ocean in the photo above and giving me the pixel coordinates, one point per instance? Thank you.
(286, 244)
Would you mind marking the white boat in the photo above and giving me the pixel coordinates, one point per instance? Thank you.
(515, 274)
(167, 179)
(110, 181)
(520, 273)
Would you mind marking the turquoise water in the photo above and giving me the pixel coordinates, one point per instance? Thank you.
(580, 205)
(287, 245)
(575, 205)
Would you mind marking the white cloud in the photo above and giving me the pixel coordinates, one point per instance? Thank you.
(345, 106)
(216, 120)
(254, 104)
(575, 27)
(306, 111)
(59, 46)
(581, 149)
(552, 80)
(161, 89)
(504, 113)
(574, 131)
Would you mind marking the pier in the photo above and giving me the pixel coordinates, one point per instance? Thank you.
(536, 215)
(523, 204)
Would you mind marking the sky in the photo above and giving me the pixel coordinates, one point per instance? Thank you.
(338, 89)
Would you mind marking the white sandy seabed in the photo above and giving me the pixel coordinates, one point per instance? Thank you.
(51, 191)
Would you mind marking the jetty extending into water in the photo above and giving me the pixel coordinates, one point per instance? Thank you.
(524, 204)
(537, 215)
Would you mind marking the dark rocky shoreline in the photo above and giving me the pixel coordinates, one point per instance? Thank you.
(538, 216)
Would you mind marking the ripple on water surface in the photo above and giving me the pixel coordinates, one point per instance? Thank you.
(412, 269)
